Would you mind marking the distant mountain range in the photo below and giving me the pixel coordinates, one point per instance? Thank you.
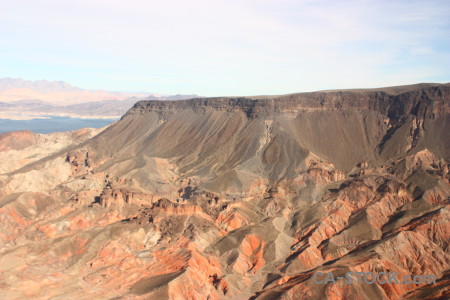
(21, 98)
(41, 86)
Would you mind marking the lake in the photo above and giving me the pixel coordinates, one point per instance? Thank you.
(52, 124)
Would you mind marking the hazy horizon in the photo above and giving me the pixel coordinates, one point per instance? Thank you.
(155, 93)
(312, 163)
(216, 48)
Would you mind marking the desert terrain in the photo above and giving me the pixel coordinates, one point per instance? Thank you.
(233, 198)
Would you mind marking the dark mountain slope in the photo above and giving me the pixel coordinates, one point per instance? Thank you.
(235, 198)
(213, 135)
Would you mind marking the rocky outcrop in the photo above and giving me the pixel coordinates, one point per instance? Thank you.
(236, 198)
(394, 106)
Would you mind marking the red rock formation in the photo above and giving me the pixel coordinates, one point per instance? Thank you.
(237, 199)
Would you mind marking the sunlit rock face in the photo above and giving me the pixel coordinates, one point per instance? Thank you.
(233, 198)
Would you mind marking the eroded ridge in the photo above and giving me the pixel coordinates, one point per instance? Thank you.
(233, 198)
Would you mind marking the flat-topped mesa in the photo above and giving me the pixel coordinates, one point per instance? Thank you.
(227, 198)
(429, 102)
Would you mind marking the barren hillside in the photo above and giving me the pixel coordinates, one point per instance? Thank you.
(235, 198)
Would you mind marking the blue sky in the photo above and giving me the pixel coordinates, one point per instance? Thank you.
(226, 47)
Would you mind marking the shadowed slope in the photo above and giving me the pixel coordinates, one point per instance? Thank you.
(214, 135)
(235, 198)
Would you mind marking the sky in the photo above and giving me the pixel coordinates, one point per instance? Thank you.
(226, 47)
